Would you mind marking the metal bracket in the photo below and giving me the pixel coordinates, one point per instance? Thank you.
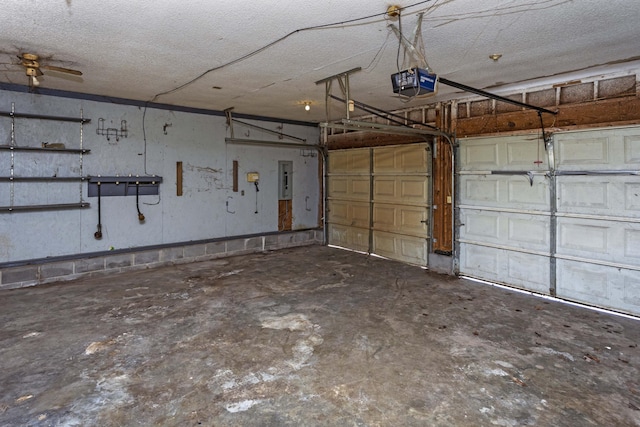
(281, 135)
(343, 81)
(414, 47)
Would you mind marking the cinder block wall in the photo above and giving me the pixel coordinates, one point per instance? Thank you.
(36, 272)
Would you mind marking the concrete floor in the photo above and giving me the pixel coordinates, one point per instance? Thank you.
(312, 336)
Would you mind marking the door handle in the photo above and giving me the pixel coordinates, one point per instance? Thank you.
(425, 221)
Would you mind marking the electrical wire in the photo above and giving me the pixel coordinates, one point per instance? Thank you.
(256, 52)
(275, 42)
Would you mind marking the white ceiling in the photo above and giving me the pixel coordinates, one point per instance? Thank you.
(137, 49)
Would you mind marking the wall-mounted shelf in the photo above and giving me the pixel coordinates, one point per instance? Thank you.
(58, 206)
(124, 185)
(47, 149)
(34, 155)
(44, 117)
(42, 178)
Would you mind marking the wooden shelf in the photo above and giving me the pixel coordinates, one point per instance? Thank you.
(44, 117)
(59, 206)
(57, 150)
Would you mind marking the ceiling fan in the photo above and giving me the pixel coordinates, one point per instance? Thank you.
(33, 68)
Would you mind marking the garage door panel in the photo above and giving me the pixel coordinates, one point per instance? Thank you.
(525, 154)
(614, 196)
(355, 214)
(400, 200)
(611, 149)
(500, 153)
(594, 220)
(349, 237)
(412, 250)
(583, 153)
(524, 270)
(508, 192)
(604, 286)
(517, 231)
(402, 159)
(400, 219)
(352, 162)
(601, 241)
(401, 189)
(349, 187)
(505, 218)
(632, 150)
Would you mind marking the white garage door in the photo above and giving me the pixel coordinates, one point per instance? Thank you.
(504, 213)
(379, 201)
(598, 210)
(565, 222)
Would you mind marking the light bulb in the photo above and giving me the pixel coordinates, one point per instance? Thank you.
(307, 106)
(35, 81)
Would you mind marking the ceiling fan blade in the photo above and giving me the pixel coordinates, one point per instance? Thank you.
(62, 70)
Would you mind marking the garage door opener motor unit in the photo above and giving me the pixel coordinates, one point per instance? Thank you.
(414, 82)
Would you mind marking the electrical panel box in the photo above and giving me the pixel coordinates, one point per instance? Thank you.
(253, 177)
(414, 82)
(285, 179)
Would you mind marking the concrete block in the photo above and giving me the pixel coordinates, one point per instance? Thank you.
(56, 269)
(302, 236)
(253, 243)
(147, 257)
(285, 240)
(118, 261)
(271, 242)
(235, 245)
(19, 274)
(193, 251)
(215, 248)
(91, 264)
(170, 254)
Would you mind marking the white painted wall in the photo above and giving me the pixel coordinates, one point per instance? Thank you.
(198, 140)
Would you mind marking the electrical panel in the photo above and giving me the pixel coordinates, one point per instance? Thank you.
(285, 180)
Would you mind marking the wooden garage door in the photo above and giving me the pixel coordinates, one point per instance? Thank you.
(379, 201)
(564, 222)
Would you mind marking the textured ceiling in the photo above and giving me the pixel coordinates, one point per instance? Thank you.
(138, 49)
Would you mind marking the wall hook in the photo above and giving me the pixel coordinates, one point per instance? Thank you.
(109, 132)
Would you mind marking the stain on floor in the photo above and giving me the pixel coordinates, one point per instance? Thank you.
(312, 336)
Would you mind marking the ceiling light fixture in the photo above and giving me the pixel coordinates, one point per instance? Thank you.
(495, 56)
(307, 106)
